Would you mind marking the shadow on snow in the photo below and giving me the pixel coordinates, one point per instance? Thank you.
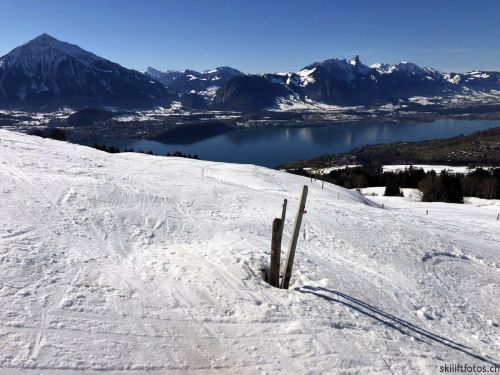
(404, 327)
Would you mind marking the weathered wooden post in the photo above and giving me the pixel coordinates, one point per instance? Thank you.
(274, 271)
(498, 216)
(283, 215)
(427, 212)
(287, 273)
(322, 184)
(263, 274)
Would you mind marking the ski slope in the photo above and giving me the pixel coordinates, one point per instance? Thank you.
(130, 263)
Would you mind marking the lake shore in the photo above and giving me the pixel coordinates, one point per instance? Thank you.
(479, 148)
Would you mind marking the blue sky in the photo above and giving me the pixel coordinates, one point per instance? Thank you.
(264, 36)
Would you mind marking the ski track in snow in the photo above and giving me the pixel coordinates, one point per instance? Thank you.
(142, 264)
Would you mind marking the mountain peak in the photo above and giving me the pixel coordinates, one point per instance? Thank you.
(52, 46)
(45, 36)
(44, 39)
(355, 60)
(50, 71)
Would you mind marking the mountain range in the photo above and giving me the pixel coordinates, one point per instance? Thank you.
(350, 83)
(45, 73)
(189, 81)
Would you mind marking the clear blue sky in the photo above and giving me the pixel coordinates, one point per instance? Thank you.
(264, 36)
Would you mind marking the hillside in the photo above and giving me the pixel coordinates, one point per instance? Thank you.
(135, 263)
(480, 148)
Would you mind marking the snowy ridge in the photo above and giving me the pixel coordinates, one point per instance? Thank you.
(188, 81)
(136, 263)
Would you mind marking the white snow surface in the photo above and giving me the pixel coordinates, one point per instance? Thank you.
(306, 76)
(329, 169)
(436, 168)
(139, 264)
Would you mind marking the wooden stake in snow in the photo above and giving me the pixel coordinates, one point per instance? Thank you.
(263, 273)
(274, 274)
(287, 273)
(283, 215)
(498, 216)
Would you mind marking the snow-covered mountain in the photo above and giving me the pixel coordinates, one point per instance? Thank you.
(247, 93)
(204, 83)
(45, 73)
(350, 82)
(48, 72)
(140, 264)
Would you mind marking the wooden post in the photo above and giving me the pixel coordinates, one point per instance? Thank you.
(382, 205)
(322, 184)
(498, 216)
(287, 273)
(274, 269)
(283, 215)
(427, 212)
(263, 273)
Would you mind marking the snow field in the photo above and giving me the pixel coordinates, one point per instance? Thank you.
(144, 264)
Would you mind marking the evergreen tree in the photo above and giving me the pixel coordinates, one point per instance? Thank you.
(58, 134)
(392, 190)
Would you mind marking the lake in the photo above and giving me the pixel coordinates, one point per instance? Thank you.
(271, 147)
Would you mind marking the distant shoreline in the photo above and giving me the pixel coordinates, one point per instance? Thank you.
(156, 124)
(479, 148)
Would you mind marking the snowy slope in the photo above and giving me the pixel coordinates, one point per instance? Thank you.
(137, 263)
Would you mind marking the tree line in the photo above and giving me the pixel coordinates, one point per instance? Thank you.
(60, 135)
(115, 150)
(442, 187)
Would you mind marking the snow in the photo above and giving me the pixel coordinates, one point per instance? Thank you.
(329, 169)
(403, 66)
(384, 68)
(143, 264)
(210, 91)
(130, 118)
(476, 211)
(477, 74)
(428, 168)
(422, 100)
(455, 79)
(411, 195)
(294, 103)
(44, 54)
(480, 202)
(306, 76)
